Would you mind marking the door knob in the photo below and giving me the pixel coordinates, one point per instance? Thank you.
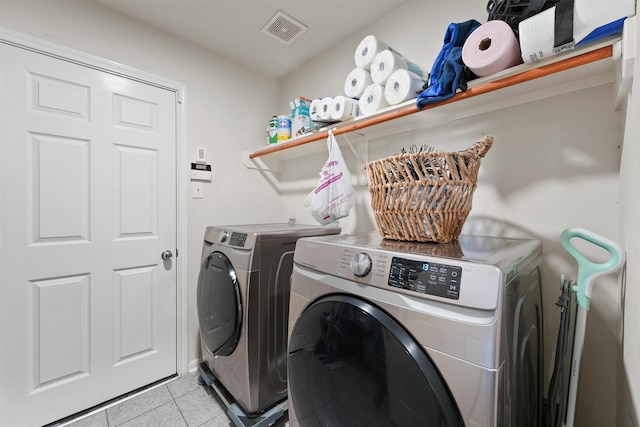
(166, 254)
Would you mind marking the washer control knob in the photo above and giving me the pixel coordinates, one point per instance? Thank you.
(222, 237)
(360, 264)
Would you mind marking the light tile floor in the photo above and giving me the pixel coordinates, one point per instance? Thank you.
(182, 402)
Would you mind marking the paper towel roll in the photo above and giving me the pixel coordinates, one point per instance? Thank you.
(314, 109)
(343, 108)
(368, 48)
(356, 81)
(490, 48)
(324, 111)
(386, 62)
(372, 99)
(401, 86)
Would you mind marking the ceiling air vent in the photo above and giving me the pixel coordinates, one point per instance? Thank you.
(284, 28)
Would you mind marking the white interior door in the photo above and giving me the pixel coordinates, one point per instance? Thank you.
(87, 206)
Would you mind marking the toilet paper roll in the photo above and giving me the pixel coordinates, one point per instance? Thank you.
(343, 108)
(401, 86)
(356, 81)
(386, 62)
(324, 111)
(372, 99)
(490, 48)
(368, 48)
(314, 109)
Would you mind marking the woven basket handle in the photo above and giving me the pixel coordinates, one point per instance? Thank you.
(481, 147)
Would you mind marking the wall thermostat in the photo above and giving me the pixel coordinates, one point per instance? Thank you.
(200, 171)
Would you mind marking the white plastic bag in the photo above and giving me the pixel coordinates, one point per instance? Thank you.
(334, 196)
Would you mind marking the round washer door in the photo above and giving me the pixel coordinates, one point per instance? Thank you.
(351, 364)
(219, 304)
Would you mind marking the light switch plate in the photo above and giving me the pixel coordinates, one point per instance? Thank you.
(197, 190)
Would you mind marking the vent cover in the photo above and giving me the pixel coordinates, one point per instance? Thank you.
(284, 28)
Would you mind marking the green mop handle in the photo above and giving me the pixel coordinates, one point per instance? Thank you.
(588, 271)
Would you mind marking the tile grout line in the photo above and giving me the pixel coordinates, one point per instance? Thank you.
(110, 422)
(143, 413)
(178, 407)
(113, 404)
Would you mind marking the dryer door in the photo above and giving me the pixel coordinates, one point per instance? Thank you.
(219, 304)
(351, 364)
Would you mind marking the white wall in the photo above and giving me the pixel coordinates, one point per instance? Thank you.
(554, 165)
(629, 373)
(219, 114)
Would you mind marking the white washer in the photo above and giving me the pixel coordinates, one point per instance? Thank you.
(243, 307)
(405, 334)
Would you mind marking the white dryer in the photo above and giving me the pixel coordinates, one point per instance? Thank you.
(388, 333)
(243, 307)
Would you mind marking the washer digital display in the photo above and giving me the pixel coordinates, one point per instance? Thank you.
(238, 239)
(425, 277)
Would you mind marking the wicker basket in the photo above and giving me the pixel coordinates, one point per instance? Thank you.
(425, 196)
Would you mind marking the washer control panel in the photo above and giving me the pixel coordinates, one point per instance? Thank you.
(425, 277)
(360, 264)
(466, 283)
(238, 239)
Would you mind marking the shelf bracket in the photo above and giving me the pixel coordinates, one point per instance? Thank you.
(361, 177)
(271, 174)
(258, 164)
(352, 148)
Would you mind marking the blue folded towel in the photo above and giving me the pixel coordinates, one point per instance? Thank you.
(448, 70)
(611, 29)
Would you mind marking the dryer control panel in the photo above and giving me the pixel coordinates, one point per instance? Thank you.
(236, 239)
(425, 277)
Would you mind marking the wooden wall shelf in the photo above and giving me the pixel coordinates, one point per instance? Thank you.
(524, 83)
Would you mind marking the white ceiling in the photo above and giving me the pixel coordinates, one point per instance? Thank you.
(233, 28)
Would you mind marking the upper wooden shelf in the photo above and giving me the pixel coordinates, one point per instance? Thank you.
(521, 84)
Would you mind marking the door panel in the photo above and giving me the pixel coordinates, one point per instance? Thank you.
(60, 330)
(88, 190)
(136, 113)
(136, 329)
(58, 96)
(136, 192)
(59, 169)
